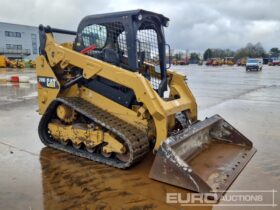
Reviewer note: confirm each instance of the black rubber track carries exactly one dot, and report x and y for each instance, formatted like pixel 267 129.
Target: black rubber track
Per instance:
pixel 135 139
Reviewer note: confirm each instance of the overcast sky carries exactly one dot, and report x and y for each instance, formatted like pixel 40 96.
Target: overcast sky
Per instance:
pixel 195 25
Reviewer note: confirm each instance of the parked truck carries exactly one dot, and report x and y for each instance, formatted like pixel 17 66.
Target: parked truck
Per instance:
pixel 254 64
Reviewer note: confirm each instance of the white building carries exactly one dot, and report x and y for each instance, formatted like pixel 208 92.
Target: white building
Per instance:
pixel 19 41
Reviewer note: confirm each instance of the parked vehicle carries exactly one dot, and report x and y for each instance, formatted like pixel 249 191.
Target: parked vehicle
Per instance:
pixel 241 62
pixel 275 62
pixel 109 107
pixel 266 61
pixel 209 62
pixel 230 61
pixel 184 61
pixel 217 62
pixel 254 64
pixel 3 61
pixel 32 63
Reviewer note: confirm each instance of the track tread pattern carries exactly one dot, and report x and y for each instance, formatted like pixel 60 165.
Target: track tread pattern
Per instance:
pixel 135 139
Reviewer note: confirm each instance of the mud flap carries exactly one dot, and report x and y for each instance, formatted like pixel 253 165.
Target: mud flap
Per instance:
pixel 206 157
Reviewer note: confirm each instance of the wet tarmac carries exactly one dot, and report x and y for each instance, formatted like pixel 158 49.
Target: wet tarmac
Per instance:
pixel 35 177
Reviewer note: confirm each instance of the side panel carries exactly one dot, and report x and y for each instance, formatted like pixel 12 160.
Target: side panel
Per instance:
pixel 179 87
pixel 48 84
pixel 114 108
pixel 158 108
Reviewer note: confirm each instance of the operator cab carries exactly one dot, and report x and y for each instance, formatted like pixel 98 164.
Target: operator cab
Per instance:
pixel 133 40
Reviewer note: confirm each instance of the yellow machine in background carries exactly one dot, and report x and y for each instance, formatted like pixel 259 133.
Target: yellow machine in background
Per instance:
pixel 242 62
pixel 16 63
pixel 32 64
pixel 20 63
pixel 3 61
pixel 217 62
pixel 13 64
pixel 229 61
pixel 110 97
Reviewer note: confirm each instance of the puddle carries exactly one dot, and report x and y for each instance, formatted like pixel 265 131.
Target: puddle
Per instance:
pixel 70 182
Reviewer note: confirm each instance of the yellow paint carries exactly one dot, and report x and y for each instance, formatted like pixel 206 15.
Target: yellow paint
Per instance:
pixel 3 63
pixel 91 137
pixel 160 111
pixel 114 108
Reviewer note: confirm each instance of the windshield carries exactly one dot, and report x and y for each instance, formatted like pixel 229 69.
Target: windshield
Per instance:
pixel 252 61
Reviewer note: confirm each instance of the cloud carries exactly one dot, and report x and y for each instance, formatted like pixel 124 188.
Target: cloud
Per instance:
pixel 195 25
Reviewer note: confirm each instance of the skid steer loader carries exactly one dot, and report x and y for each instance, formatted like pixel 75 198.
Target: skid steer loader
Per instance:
pixel 108 96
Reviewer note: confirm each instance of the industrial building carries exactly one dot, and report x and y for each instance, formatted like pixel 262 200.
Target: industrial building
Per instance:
pixel 19 41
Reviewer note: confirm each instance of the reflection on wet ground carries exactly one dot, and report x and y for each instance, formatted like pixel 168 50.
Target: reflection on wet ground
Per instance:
pixel 16 92
pixel 34 177
pixel 79 183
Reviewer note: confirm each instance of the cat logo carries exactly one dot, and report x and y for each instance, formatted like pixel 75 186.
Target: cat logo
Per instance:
pixel 48 82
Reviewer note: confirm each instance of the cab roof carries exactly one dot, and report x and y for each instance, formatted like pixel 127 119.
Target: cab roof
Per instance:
pixel 120 16
pixel 126 13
